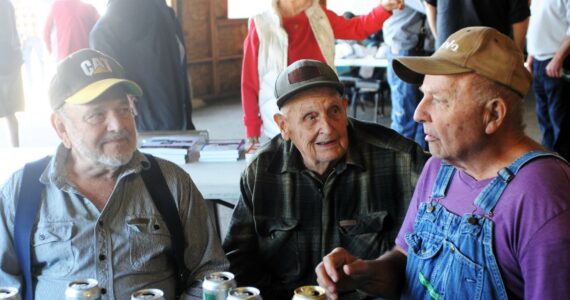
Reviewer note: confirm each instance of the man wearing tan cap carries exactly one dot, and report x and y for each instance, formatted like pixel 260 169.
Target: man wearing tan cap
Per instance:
pixel 102 209
pixel 490 216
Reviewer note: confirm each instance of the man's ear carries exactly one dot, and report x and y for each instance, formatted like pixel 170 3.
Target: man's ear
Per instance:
pixel 495 111
pixel 59 126
pixel 281 121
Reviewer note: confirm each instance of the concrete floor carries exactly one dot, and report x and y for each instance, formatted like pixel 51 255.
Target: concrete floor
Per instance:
pixel 222 119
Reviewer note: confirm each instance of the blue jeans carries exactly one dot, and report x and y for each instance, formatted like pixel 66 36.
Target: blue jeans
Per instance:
pixel 551 106
pixel 405 99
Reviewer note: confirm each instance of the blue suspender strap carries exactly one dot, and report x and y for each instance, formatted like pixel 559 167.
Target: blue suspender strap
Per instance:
pixel 164 202
pixel 29 202
pixel 493 191
pixel 26 211
pixel 442 180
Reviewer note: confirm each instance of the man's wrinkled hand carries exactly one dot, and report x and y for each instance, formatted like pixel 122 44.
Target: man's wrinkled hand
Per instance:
pixel 335 273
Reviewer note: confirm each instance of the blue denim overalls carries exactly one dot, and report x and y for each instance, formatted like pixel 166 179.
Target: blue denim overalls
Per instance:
pixel 451 256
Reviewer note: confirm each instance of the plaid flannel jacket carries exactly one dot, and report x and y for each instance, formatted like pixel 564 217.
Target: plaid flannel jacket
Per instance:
pixel 287 218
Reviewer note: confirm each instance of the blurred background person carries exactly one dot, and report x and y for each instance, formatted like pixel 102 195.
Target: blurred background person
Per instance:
pixel 11 89
pixel 145 37
pixel 548 45
pixel 507 16
pixel 291 30
pixel 67 27
pixel 406 33
pixel 33 51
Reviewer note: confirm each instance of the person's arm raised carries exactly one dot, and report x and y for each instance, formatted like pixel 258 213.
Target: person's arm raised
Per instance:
pixel 340 271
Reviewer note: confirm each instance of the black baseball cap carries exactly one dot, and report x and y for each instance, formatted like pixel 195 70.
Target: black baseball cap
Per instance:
pixel 302 75
pixel 85 75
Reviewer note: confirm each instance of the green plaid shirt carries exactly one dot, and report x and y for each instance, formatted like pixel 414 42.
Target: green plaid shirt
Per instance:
pixel 288 218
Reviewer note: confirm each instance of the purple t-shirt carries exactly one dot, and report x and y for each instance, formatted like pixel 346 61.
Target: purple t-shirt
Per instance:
pixel 532 224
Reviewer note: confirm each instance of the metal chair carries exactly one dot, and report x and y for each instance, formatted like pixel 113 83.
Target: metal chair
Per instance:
pixel 350 91
pixel 369 88
pixel 348 82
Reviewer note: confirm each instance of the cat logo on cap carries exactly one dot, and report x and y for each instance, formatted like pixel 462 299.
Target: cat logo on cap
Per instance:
pixel 96 65
pixel 450 45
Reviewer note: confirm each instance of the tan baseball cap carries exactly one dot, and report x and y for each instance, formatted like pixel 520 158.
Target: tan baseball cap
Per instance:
pixel 482 50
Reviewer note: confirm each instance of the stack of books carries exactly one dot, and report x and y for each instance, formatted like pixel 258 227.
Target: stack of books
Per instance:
pixel 179 148
pixel 222 150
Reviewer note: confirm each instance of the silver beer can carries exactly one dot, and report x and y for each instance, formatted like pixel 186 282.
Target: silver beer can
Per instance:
pixel 83 289
pixel 9 293
pixel 216 285
pixel 148 294
pixel 244 293
pixel 310 292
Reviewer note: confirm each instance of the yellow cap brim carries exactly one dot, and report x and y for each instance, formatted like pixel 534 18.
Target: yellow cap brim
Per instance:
pixel 413 69
pixel 96 89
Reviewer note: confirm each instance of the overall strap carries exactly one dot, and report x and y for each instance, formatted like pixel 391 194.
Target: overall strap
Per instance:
pixel 164 202
pixel 26 210
pixel 442 180
pixel 493 191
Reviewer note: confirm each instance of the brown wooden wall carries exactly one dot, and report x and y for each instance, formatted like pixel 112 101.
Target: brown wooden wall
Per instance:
pixel 214 47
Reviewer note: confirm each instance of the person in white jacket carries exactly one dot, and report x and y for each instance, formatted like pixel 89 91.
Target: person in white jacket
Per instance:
pixel 288 31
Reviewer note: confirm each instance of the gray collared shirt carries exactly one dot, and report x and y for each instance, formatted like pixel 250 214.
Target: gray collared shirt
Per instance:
pixel 124 246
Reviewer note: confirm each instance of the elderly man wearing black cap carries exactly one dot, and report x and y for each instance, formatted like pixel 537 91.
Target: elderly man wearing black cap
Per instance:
pixel 327 181
pixel 490 216
pixel 99 208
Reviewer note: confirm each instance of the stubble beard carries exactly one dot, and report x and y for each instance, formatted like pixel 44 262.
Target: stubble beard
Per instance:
pixel 99 157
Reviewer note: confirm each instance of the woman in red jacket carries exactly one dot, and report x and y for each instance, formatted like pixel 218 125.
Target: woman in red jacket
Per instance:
pixel 291 30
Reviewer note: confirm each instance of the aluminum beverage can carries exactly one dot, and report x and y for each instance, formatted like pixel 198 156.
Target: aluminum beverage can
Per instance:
pixel 309 292
pixel 216 285
pixel 9 293
pixel 148 294
pixel 244 293
pixel 83 289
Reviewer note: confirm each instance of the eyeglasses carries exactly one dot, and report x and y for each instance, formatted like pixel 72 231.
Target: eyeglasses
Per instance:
pixel 99 116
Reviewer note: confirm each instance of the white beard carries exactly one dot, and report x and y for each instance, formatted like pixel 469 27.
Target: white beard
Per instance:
pixel 113 161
